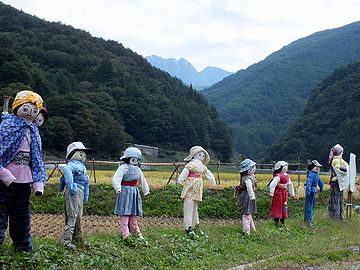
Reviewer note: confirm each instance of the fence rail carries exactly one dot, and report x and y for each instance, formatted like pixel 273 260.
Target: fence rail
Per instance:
pixel 176 166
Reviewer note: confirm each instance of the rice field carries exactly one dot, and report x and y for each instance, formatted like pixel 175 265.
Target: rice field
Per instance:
pixel 158 179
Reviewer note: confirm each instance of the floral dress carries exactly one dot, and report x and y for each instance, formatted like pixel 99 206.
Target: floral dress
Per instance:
pixel 193 184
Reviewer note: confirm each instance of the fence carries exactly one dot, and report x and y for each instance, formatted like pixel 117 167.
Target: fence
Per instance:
pixel 261 167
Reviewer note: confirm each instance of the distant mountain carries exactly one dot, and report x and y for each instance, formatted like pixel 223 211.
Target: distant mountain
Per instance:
pixel 260 103
pixel 186 72
pixel 332 115
pixel 101 93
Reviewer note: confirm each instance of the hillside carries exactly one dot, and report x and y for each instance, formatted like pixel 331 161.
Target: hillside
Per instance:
pixel 186 72
pixel 259 103
pixel 101 93
pixel 332 115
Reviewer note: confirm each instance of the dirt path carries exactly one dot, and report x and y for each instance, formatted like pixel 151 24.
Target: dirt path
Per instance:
pixel 51 226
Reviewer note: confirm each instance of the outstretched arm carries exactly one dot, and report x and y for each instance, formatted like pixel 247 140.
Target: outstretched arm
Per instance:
pixel 210 177
pixel 183 175
pixel 117 178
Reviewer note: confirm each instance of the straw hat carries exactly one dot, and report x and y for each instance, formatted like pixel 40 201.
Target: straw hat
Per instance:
pixel 196 149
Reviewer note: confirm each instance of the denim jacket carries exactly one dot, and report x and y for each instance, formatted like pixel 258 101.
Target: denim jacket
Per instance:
pixel 313 180
pixel 75 176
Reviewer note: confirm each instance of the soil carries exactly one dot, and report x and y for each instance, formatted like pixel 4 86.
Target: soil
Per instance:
pixel 52 226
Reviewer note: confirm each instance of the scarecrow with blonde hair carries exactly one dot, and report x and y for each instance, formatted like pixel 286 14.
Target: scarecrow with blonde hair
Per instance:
pixel 21 167
pixel 192 182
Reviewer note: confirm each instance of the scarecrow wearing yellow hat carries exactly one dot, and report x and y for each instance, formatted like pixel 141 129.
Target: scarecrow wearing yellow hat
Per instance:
pixel 21 167
pixel 191 179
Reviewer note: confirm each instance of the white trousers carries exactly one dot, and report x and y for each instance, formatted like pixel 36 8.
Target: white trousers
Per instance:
pixel 191 217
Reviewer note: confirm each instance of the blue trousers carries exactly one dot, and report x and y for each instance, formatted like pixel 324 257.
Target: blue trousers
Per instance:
pixel 309 206
pixel 15 209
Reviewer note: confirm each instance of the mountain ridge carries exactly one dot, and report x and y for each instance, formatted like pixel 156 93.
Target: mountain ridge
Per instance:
pixel 186 72
pixel 260 102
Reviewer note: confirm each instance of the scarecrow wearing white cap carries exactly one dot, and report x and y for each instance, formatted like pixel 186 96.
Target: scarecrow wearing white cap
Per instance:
pixel 279 187
pixel 246 191
pixel 128 202
pixel 339 180
pixel 75 184
pixel 312 182
pixel 191 179
pixel 21 166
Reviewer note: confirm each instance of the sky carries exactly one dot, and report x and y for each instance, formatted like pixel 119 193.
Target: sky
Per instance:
pixel 228 34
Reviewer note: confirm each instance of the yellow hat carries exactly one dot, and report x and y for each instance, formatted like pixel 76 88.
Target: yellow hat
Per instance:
pixel 27 96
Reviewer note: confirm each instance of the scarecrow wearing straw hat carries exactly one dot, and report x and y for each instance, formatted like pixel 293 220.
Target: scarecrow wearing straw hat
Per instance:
pixel 21 166
pixel 75 184
pixel 191 179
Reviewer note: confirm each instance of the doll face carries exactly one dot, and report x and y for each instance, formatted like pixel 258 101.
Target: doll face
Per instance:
pixel 27 111
pixel 316 169
pixel 200 156
pixel 79 155
pixel 252 170
pixel 134 161
pixel 284 169
pixel 39 120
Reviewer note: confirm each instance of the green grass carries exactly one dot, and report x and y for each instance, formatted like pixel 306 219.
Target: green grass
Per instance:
pixel 169 248
pixel 226 247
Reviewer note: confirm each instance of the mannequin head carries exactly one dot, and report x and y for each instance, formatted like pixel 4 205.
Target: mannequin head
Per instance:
pixel 199 156
pixel 132 156
pixel 42 117
pixel 247 167
pixel 198 153
pixel 77 151
pixel 79 155
pixel 27 111
pixel 281 167
pixel 27 105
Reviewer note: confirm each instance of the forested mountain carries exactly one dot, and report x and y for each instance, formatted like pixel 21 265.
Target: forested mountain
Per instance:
pixel 332 115
pixel 186 72
pixel 260 103
pixel 101 93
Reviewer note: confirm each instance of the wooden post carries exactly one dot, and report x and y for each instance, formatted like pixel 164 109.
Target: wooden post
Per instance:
pixel 56 167
pixel 6 104
pixel 299 171
pixel 93 168
pixel 217 171
pixel 175 170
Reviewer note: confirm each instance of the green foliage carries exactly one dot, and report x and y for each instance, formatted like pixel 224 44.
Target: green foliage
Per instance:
pixel 100 93
pixel 166 202
pixel 331 116
pixel 260 103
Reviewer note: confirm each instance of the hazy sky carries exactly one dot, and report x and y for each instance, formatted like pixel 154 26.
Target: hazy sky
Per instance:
pixel 230 34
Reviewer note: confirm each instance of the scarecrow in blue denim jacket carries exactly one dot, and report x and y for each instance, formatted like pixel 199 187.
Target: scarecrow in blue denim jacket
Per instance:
pixel 312 182
pixel 75 184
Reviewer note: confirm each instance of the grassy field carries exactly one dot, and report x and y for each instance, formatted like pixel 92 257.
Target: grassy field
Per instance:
pixel 226 247
pixel 327 243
